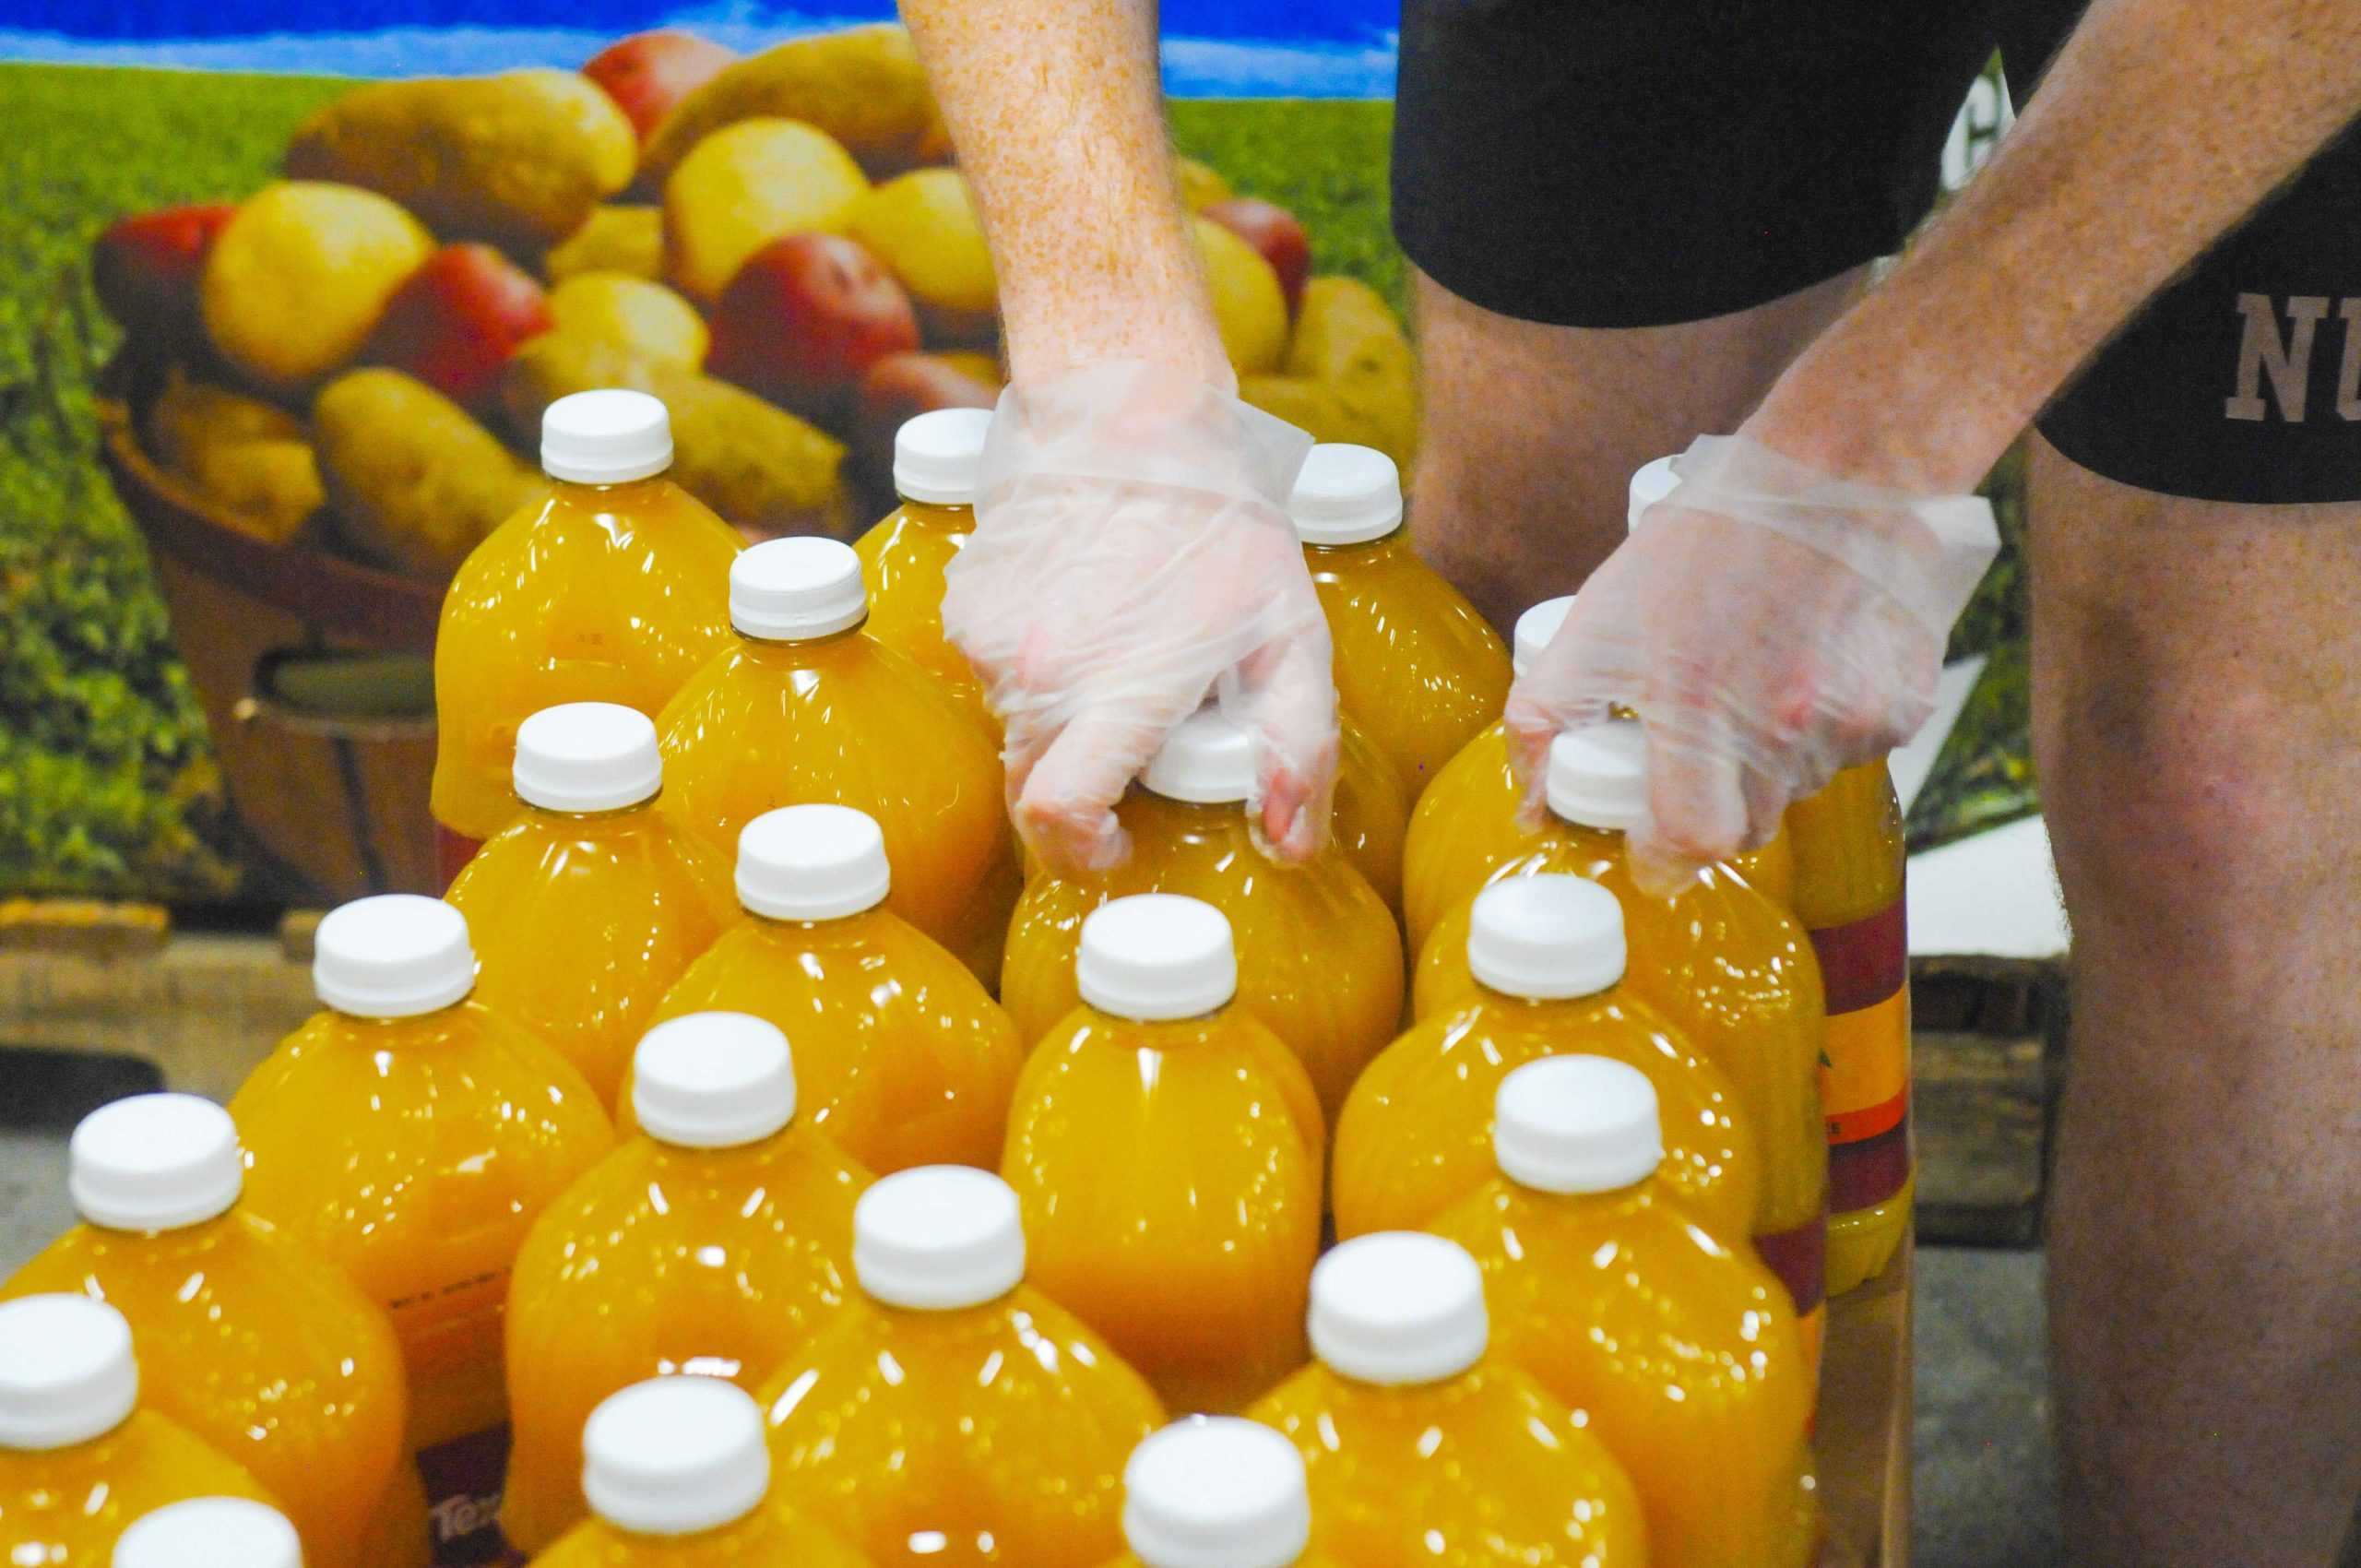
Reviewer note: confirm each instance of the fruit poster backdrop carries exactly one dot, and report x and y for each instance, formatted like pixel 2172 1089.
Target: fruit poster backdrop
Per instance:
pixel 285 285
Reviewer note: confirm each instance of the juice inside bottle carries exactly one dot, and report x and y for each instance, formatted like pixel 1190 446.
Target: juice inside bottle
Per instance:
pixel 413 1135
pixel 1850 861
pixel 1417 668
pixel 1548 954
pixel 1418 1449
pixel 951 1416
pixel 936 457
pixel 1369 815
pixel 1217 1491
pixel 678 1476
pixel 717 1242
pixel 1676 1348
pixel 80 1463
pixel 211 1532
pixel 1318 955
pixel 247 1338
pixel 805 705
pixel 901 1057
pixel 1731 968
pixel 1168 1151
pixel 612 589
pixel 591 870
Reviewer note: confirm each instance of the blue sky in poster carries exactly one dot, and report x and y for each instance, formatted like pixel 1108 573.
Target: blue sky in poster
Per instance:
pixel 1212 48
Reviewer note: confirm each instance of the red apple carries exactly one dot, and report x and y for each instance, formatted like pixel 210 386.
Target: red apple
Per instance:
pixel 1276 233
pixel 146 269
pixel 805 317
pixel 647 72
pixel 454 323
pixel 899 388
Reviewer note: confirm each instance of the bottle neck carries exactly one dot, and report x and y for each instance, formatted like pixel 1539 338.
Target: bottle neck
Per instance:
pixel 792 650
pixel 623 494
pixel 583 822
pixel 1385 543
pixel 941 516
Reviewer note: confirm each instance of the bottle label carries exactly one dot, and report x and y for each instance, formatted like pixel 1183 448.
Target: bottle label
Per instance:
pixel 464 1478
pixel 1865 1070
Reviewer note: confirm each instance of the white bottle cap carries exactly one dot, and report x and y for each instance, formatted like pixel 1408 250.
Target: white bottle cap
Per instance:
pixel 792 589
pixel 1545 938
pixel 1398 1307
pixel 938 1238
pixel 606 437
pixel 812 863
pixel 154 1162
pixel 1206 759
pixel 674 1456
pixel 1345 495
pixel 1536 627
pixel 394 956
pixel 1598 776
pixel 211 1532
pixel 1576 1124
pixel 588 756
pixel 1651 482
pixel 713 1080
pixel 1216 1491
pixel 67 1373
pixel 938 456
pixel 1156 956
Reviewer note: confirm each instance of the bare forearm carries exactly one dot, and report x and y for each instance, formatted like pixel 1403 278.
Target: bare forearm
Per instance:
pixel 2163 124
pixel 1056 110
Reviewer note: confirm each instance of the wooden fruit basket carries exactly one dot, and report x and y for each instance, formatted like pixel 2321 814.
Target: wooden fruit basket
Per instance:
pixel 340 803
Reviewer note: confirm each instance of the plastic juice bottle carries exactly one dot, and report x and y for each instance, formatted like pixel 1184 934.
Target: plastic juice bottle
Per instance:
pixel 1548 954
pixel 1318 955
pixel 1686 1362
pixel 805 705
pixel 413 1135
pixel 78 1462
pixel 614 588
pixel 1731 968
pixel 951 1416
pixel 1417 668
pixel 1167 1151
pixel 716 1242
pixel 936 459
pixel 1216 1491
pixel 1850 861
pixel 678 1476
pixel 901 1055
pixel 1419 1450
pixel 591 870
pixel 211 1532
pixel 247 1338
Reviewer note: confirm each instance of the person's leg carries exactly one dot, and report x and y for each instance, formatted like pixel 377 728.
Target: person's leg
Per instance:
pixel 2198 732
pixel 1530 432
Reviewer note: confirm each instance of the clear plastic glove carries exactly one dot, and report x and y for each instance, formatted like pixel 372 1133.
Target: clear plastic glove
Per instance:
pixel 1770 624
pixel 1133 554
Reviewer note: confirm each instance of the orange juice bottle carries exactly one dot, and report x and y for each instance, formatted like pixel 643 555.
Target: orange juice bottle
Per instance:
pixel 1417 668
pixel 412 1135
pixel 1548 957
pixel 1418 1449
pixel 936 457
pixel 248 1339
pixel 806 705
pixel 612 589
pixel 1168 1151
pixel 590 870
pixel 1477 784
pixel 79 1462
pixel 902 1057
pixel 1730 967
pixel 1319 959
pixel 1217 1491
pixel 211 1532
pixel 716 1242
pixel 678 1476
pixel 951 1416
pixel 1850 863
pixel 1684 1357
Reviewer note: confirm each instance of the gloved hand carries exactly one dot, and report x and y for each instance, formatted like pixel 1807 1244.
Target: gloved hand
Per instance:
pixel 1770 624
pixel 1133 554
